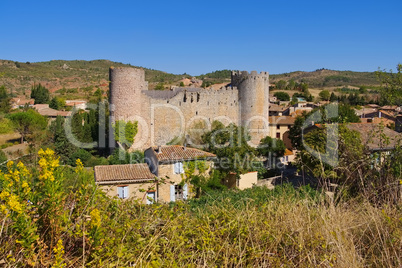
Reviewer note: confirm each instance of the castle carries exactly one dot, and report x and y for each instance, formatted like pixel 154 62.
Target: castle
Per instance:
pixel 166 115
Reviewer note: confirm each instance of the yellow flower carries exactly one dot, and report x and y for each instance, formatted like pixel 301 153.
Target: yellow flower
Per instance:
pixel 95 218
pixel 79 165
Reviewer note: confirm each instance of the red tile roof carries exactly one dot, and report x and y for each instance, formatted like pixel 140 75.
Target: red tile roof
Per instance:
pixel 281 120
pixel 372 138
pixel 123 174
pixel 179 153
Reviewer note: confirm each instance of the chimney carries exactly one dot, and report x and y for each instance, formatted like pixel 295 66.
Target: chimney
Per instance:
pixel 379 114
pixel 159 149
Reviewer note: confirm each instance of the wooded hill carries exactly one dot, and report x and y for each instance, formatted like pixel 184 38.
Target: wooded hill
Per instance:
pixel 19 77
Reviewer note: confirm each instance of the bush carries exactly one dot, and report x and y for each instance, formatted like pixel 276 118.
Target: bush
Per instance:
pixel 282 96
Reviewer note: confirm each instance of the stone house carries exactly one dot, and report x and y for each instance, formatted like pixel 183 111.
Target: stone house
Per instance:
pixel 279 127
pixel 162 178
pixel 169 163
pixel 127 181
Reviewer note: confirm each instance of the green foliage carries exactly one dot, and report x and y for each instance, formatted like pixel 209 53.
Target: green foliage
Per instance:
pixel 4 100
pixel 120 157
pixel 6 126
pixel 124 132
pixel 281 84
pixel 333 97
pixel 181 84
pixel 27 123
pixel 40 94
pixel 325 95
pixel 391 90
pixel 62 146
pixel 57 103
pixel 160 86
pixel 282 96
pixel 231 147
pixel 271 147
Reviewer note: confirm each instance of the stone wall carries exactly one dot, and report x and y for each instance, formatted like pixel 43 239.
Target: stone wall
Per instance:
pixel 165 115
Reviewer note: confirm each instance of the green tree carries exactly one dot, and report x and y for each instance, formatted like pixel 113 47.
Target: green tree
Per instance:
pixel 62 145
pixel 27 123
pixel 333 97
pixel 282 96
pixel 391 90
pixel 57 103
pixel 325 95
pixel 281 84
pixel 124 132
pixel 271 146
pixel 40 94
pixel 160 86
pixel 291 85
pixel 4 100
pixel 231 147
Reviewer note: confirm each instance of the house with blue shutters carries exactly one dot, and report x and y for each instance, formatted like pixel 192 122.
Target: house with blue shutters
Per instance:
pixel 162 178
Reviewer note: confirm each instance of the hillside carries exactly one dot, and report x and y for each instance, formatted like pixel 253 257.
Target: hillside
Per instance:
pixel 18 77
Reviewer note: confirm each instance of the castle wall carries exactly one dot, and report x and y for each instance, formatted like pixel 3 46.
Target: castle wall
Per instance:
pixel 165 115
pixel 173 117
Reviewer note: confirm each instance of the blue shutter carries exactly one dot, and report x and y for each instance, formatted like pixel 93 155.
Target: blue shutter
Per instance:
pixel 176 168
pixel 126 192
pixel 181 169
pixel 185 191
pixel 172 193
pixel 120 192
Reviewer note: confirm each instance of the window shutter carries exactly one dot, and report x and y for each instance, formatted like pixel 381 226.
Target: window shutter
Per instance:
pixel 185 191
pixel 172 193
pixel 176 168
pixel 181 169
pixel 120 192
pixel 126 192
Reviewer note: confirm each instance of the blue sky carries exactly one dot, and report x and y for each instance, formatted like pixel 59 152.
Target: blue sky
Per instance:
pixel 201 36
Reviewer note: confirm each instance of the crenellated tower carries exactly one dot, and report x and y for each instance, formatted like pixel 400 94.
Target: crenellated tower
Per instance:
pixel 253 98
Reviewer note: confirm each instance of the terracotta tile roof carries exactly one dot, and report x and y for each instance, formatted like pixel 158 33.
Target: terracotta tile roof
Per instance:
pixel 288 152
pixel 123 174
pixel 179 153
pixel 281 120
pixel 370 135
pixel 276 108
pixel 45 110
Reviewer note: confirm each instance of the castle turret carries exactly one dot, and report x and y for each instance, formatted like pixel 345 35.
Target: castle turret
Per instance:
pixel 254 97
pixel 126 85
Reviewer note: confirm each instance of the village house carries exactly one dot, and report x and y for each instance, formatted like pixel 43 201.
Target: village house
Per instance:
pixel 169 163
pixel 45 110
pixel 127 181
pixel 162 178
pixel 279 127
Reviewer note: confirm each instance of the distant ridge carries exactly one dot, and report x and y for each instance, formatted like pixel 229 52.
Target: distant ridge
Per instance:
pixel 18 77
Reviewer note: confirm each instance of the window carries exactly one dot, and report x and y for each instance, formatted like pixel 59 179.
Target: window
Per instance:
pixel 278 135
pixel 178 168
pixel 289 127
pixel 278 127
pixel 122 191
pixel 178 192
pixel 151 197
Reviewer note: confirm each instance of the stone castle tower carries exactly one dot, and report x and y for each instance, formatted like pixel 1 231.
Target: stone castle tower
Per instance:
pixel 164 116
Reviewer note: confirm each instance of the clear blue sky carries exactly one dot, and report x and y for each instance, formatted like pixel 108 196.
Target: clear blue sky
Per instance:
pixel 202 36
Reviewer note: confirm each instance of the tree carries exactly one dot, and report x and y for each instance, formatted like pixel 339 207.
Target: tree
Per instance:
pixel 291 84
pixel 4 100
pixel 270 146
pixel 391 90
pixel 281 84
pixel 57 103
pixel 26 123
pixel 231 147
pixel 62 145
pixel 124 132
pixel 333 97
pixel 324 95
pixel 282 96
pixel 160 86
pixel 40 94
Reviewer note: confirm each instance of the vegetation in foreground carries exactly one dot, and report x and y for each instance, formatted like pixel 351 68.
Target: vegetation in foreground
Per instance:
pixel 55 216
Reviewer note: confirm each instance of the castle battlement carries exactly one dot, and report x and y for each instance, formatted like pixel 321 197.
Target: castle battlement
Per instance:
pixel 164 114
